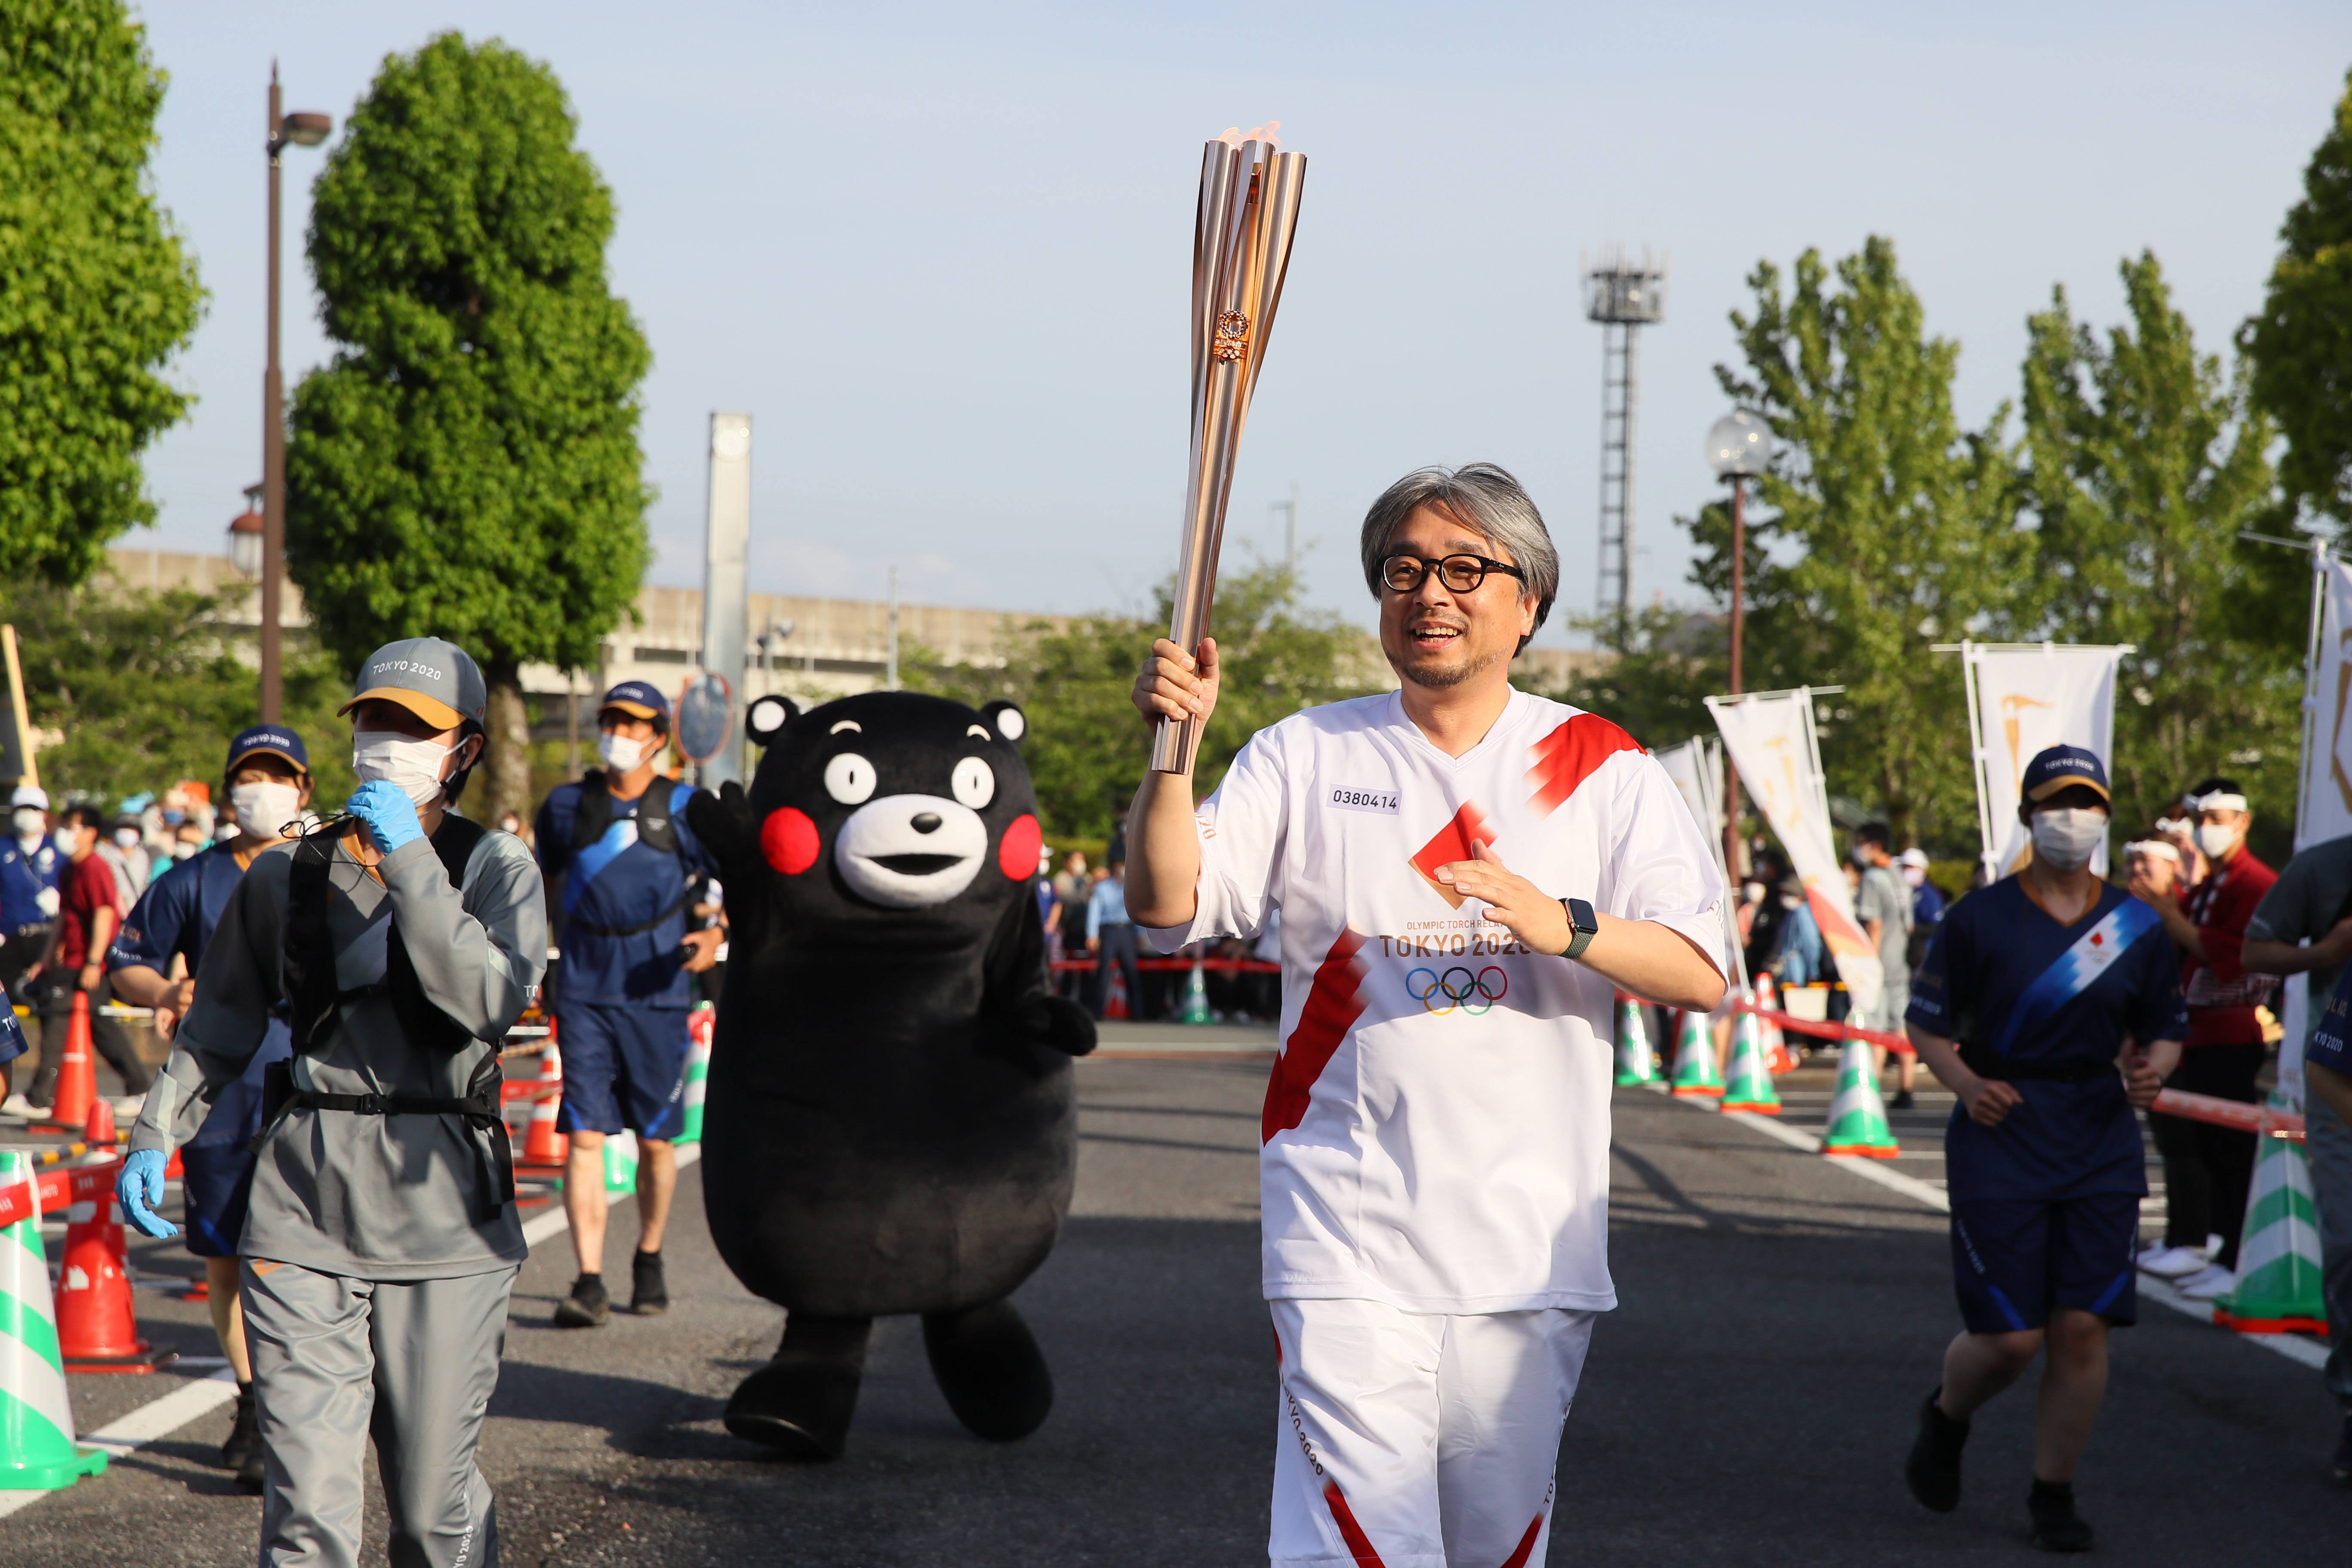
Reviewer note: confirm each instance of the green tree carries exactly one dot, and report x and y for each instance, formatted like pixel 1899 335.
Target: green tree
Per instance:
pixel 1883 528
pixel 1663 663
pixel 95 292
pixel 467 466
pixel 2302 342
pixel 141 692
pixel 2141 461
pixel 1087 751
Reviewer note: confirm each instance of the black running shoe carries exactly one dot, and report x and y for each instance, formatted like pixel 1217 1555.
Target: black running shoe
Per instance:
pixel 648 1294
pixel 1934 1467
pixel 1903 1101
pixel 2057 1526
pixel 587 1307
pixel 244 1432
pixel 2343 1463
pixel 249 1474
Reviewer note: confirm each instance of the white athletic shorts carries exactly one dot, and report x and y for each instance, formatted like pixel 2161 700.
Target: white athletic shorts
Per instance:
pixel 1419 1440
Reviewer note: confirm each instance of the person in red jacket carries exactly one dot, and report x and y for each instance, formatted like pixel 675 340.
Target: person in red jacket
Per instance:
pixel 2207 1168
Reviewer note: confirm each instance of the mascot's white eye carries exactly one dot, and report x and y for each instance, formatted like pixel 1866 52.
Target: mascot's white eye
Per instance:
pixel 849 778
pixel 973 784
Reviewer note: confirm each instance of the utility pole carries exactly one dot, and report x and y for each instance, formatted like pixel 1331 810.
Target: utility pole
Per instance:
pixel 298 130
pixel 890 666
pixel 1289 509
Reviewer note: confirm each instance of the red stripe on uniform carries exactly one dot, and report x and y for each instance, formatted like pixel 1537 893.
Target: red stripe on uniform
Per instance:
pixel 1567 756
pixel 1333 1005
pixel 1359 1545
pixel 1527 1544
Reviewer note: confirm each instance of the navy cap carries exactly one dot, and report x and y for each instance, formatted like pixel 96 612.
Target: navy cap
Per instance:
pixel 2062 767
pixel 638 699
pixel 275 738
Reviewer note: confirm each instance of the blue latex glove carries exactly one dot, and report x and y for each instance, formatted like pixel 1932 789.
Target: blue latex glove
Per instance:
pixel 140 1188
pixel 390 815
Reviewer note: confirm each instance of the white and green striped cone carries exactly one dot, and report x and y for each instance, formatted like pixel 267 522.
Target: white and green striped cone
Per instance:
pixel 698 1079
pixel 1194 1008
pixel 2278 1288
pixel 1695 1073
pixel 38 1452
pixel 621 1162
pixel 1637 1060
pixel 1750 1084
pixel 1857 1115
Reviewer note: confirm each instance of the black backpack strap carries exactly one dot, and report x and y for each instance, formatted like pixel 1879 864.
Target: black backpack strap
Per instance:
pixel 596 810
pixel 656 830
pixel 309 956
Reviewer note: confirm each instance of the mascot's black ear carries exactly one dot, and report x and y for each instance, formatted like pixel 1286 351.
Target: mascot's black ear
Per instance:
pixel 768 716
pixel 1007 720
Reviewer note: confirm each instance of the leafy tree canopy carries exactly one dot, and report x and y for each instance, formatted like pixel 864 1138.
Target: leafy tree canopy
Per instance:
pixel 467 466
pixel 144 692
pixel 2301 343
pixel 95 292
pixel 1087 749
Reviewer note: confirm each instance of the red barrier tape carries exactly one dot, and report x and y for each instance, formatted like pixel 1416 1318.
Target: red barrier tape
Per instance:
pixel 58 1189
pixel 1164 966
pixel 1830 1031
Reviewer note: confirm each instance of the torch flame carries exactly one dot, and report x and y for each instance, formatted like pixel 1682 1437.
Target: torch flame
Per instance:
pixel 1235 135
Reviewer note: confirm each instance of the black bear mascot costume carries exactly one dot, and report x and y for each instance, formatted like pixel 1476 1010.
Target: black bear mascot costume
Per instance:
pixel 889 1125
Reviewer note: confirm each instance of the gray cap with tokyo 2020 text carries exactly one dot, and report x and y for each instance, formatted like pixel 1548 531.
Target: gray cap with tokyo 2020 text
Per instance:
pixel 431 677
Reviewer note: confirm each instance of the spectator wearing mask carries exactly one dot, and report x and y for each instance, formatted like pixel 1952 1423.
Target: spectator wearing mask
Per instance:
pixel 1071 886
pixel 2179 830
pixel 29 865
pixel 1883 905
pixel 1769 922
pixel 87 919
pixel 1111 939
pixel 2207 1168
pixel 266 781
pixel 119 849
pixel 1927 899
pixel 512 822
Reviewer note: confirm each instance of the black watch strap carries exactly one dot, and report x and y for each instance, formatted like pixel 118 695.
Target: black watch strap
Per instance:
pixel 1583 926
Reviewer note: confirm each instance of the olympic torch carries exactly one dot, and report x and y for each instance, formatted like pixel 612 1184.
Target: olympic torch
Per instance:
pixel 1241 247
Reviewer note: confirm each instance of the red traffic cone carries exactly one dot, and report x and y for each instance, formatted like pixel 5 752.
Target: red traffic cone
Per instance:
pixel 76 1084
pixel 98 1130
pixel 96 1330
pixel 542 1144
pixel 1115 1006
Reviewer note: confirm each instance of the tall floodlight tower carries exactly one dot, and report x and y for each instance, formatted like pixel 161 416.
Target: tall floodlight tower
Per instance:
pixel 1624 296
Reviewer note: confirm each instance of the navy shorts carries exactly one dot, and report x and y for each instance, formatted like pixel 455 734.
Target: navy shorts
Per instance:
pixel 216 1165
pixel 2013 1260
pixel 623 1066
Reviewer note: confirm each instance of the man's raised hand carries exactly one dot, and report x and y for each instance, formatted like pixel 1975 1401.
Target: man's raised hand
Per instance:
pixel 1172 685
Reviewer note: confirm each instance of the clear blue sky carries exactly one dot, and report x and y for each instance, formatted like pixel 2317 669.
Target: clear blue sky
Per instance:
pixel 941 253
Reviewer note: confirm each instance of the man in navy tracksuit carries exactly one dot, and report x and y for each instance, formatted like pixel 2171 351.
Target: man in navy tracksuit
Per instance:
pixel 619 842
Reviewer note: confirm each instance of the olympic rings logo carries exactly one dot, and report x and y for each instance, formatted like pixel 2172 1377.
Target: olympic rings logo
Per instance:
pixel 1440 993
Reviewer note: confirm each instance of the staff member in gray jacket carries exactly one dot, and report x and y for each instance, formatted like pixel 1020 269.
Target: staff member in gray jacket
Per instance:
pixel 381 1239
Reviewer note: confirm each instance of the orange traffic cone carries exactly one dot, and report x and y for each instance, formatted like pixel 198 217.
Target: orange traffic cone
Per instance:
pixel 1777 1059
pixel 98 1130
pixel 76 1084
pixel 542 1144
pixel 1116 1004
pixel 96 1330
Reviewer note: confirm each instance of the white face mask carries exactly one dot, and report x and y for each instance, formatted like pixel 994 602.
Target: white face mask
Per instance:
pixel 263 808
pixel 126 837
pixel 28 824
pixel 2065 837
pixel 413 767
pixel 622 752
pixel 2217 839
pixel 1915 875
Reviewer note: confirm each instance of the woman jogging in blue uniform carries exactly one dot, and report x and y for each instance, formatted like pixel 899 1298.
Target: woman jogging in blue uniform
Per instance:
pixel 2050 1003
pixel 267 781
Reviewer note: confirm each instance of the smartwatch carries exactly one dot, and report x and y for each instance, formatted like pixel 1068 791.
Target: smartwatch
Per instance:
pixel 1584 925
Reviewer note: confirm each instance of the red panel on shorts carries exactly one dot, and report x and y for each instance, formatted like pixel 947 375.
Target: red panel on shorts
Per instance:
pixel 1566 757
pixel 1333 1005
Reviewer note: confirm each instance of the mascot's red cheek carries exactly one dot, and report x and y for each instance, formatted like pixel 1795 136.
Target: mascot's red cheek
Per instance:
pixel 788 840
pixel 1017 857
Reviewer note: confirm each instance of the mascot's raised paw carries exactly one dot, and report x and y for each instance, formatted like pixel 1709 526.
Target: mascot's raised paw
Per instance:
pixel 889 1125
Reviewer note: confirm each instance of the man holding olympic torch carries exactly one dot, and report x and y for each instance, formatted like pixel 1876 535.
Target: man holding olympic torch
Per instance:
pixel 1466 875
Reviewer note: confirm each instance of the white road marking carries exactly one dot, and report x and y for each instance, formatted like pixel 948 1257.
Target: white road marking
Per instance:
pixel 162 1418
pixel 2294 1347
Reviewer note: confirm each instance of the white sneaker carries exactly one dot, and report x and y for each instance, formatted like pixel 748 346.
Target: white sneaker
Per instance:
pixel 2175 1262
pixel 2151 1253
pixel 127 1110
pixel 2208 1282
pixel 17 1105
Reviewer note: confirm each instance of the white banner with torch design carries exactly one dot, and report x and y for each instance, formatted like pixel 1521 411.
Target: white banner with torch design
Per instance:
pixel 2324 793
pixel 2023 699
pixel 1772 743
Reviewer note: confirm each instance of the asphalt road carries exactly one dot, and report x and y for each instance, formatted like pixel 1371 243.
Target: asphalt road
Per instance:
pixel 1749 1402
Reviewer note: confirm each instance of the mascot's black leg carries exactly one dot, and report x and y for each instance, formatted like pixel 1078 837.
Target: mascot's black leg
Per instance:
pixel 990 1369
pixel 801 1403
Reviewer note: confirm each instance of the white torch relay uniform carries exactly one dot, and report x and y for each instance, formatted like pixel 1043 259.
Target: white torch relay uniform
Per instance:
pixel 1434 1176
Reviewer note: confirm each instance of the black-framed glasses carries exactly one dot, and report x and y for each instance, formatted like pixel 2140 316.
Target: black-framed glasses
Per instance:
pixel 1460 573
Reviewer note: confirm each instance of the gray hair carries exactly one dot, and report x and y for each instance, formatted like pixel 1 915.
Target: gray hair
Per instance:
pixel 1482 497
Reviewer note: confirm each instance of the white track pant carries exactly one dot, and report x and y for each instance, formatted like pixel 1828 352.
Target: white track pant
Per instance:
pixel 1411 1440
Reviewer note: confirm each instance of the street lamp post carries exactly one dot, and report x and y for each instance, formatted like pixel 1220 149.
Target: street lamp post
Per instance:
pixel 1739 448
pixel 299 130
